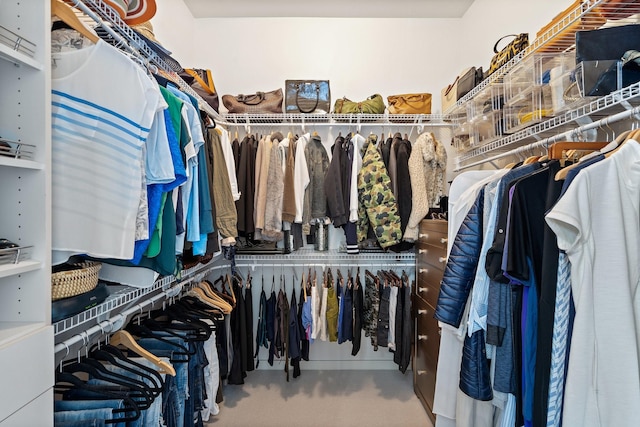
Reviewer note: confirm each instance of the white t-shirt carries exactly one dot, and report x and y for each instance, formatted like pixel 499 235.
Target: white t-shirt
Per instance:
pixel 103 105
pixel 597 222
pixel 159 164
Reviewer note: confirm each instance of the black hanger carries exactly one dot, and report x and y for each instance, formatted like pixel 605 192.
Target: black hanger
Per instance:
pixel 116 357
pixel 142 330
pixel 66 383
pixel 135 391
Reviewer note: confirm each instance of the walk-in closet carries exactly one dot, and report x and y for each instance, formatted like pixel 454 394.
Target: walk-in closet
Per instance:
pixel 381 213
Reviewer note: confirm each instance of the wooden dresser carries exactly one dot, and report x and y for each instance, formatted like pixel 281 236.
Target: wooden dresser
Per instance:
pixel 431 252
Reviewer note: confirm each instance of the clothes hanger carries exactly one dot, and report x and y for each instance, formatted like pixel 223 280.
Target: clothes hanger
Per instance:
pixel 125 339
pixel 152 375
pixel 144 331
pixel 139 393
pixel 68 16
pixel 139 388
pixel 556 150
pixel 67 382
pixel 620 139
pixel 633 135
pixel 116 357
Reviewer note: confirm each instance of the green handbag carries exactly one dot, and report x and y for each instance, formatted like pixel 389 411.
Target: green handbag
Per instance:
pixel 372 105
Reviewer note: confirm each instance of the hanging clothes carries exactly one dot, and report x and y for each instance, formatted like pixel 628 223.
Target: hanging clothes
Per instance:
pixel 332 309
pixel 358 315
pixel 294 338
pixel 272 230
pixel 315 200
pixel 304 319
pixel 116 226
pixel 262 339
pixel 263 157
pixel 427 168
pixel 371 308
pixel 226 215
pixel 289 200
pixel 600 378
pixel 334 183
pixel 246 186
pixel 401 152
pixel 377 204
pixel 282 337
pixel 248 304
pixel 238 371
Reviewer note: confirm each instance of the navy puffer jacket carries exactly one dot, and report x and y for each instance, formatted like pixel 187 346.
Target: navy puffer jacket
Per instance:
pixel 461 266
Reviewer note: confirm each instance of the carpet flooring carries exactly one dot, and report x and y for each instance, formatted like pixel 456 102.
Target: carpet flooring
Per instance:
pixel 322 398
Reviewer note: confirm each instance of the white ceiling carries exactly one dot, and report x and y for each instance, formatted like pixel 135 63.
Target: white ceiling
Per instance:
pixel 329 8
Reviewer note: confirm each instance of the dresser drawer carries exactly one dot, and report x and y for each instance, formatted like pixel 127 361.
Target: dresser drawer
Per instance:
pixel 433 255
pixel 428 284
pixel 433 232
pixel 427 329
pixel 425 378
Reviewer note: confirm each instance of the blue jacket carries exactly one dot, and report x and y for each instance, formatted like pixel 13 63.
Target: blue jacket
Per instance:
pixel 461 266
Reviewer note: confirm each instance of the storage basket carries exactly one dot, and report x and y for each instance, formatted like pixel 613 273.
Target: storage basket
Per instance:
pixel 70 283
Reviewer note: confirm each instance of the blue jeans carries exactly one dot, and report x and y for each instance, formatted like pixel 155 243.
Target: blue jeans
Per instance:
pixel 150 417
pixel 80 408
pixel 176 388
pixel 84 417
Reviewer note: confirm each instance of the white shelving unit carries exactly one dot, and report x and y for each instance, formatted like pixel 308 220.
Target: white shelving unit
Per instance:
pixel 26 335
pixel 591 114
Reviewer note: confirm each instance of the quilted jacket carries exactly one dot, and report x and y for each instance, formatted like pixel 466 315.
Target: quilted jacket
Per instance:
pixel 461 266
pixel 475 380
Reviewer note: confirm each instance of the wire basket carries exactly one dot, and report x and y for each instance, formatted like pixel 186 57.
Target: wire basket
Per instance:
pixel 70 283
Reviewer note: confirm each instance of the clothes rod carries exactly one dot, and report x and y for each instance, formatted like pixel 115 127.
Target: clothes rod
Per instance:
pixel 107 326
pixel 559 137
pixel 302 264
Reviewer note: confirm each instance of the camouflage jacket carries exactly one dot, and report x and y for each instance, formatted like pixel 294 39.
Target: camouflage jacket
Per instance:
pixel 377 205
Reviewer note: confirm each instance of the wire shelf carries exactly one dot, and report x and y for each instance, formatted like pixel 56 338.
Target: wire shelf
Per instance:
pixel 337 119
pixel 621 99
pixel 557 38
pixel 310 256
pixel 122 297
pixel 111 22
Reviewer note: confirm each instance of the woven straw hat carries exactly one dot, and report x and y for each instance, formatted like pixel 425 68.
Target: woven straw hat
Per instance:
pixel 133 12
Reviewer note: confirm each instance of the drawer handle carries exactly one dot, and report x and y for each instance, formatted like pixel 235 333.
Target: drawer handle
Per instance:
pixel 444 240
pixel 421 290
pixel 422 312
pixel 423 270
pixel 422 337
pixel 442 259
pixel 422 251
pixel 421 372
pixel 425 235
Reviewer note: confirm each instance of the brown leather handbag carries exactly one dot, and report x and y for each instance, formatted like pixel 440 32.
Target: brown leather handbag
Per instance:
pixel 410 103
pixel 258 103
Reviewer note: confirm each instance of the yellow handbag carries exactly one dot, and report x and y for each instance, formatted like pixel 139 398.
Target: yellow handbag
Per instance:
pixel 410 103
